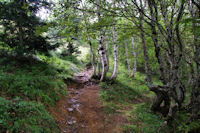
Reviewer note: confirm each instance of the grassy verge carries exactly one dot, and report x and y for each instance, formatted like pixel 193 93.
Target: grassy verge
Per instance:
pixel 27 87
pixel 132 98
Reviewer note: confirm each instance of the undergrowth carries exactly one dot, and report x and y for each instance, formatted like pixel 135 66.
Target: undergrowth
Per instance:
pixel 22 116
pixel 131 97
pixel 125 89
pixel 144 121
pixel 28 86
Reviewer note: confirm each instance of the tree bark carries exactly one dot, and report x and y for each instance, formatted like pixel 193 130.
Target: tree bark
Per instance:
pixel 195 71
pixel 99 66
pixel 103 56
pixel 92 57
pixel 145 52
pixel 70 49
pixel 135 57
pixel 20 37
pixel 116 65
pixel 127 58
pixel 107 55
pixel 102 51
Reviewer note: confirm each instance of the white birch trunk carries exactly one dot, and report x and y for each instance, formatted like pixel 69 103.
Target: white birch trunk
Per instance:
pixel 116 66
pixel 103 56
pixel 102 50
pixel 99 65
pixel 134 45
pixel 127 58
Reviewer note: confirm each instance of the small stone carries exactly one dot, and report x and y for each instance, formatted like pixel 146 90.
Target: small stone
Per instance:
pixel 70 109
pixel 69 122
pixel 77 92
pixel 74 121
pixel 74 100
pixel 76 105
pixel 82 125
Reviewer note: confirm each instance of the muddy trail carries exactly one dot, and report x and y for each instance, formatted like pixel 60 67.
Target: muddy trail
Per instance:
pixel 82 112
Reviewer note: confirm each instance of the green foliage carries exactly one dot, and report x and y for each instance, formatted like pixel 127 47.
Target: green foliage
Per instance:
pixel 29 85
pixel 22 116
pixel 182 123
pixel 39 82
pixel 20 26
pixel 65 68
pixel 125 93
pixel 73 59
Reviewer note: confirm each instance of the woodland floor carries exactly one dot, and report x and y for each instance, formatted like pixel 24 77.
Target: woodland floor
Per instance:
pixel 82 111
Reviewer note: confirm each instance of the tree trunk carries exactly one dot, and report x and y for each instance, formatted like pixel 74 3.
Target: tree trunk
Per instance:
pixel 116 66
pixel 135 57
pixel 145 52
pixel 20 31
pixel 20 37
pixel 107 55
pixel 103 56
pixel 195 94
pixel 99 66
pixel 127 58
pixel 92 57
pixel 102 51
pixel 160 95
pixel 70 49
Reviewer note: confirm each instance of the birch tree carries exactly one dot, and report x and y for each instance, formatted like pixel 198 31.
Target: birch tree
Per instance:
pixel 134 45
pixel 116 60
pixel 101 50
pixel 127 58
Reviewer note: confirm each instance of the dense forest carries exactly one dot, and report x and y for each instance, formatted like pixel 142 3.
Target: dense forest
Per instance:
pixel 99 66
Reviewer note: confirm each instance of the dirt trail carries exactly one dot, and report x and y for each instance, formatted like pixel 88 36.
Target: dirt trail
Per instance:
pixel 82 112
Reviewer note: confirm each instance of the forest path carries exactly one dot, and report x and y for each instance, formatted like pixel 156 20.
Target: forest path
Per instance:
pixel 82 111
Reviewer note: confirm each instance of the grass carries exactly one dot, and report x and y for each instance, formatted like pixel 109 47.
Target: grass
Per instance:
pixel 22 116
pixel 144 121
pixel 132 98
pixel 125 89
pixel 28 87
